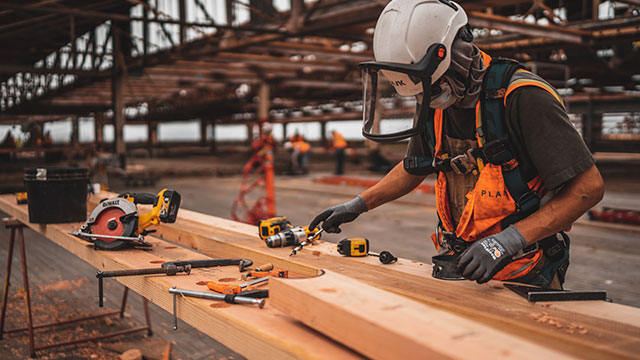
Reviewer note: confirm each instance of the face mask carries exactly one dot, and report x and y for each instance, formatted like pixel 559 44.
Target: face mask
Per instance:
pixel 445 98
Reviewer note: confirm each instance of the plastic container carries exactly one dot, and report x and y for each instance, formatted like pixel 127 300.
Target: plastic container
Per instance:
pixel 57 194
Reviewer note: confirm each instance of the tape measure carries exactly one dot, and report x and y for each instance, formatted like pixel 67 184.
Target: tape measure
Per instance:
pixel 354 247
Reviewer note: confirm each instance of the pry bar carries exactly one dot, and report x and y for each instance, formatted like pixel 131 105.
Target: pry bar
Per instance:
pixel 169 271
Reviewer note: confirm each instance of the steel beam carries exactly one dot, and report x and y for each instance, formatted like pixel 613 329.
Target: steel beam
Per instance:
pixel 564 34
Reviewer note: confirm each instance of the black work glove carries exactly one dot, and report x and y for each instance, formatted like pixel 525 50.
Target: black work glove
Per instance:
pixel 337 215
pixel 482 260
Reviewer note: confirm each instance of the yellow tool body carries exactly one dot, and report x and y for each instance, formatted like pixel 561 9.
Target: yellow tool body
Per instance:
pixel 21 198
pixel 165 205
pixel 354 247
pixel 273 226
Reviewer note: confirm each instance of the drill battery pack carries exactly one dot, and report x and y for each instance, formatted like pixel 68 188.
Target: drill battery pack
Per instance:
pixel 273 226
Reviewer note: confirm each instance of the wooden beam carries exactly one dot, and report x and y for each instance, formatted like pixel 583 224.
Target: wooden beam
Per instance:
pixel 612 330
pixel 383 325
pixel 252 332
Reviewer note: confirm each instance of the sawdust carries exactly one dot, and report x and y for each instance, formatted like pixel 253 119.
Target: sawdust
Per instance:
pixel 220 305
pixel 157 262
pixel 316 253
pixel 545 318
pixel 201 283
pixel 227 279
pixel 63 285
pixel 170 247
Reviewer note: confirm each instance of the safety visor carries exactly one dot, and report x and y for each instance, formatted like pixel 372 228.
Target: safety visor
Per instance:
pixel 391 110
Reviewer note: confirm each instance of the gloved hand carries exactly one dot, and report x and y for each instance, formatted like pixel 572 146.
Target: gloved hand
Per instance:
pixel 337 215
pixel 482 260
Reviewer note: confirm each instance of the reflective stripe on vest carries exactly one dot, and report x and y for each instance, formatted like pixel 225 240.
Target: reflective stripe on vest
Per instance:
pixel 489 203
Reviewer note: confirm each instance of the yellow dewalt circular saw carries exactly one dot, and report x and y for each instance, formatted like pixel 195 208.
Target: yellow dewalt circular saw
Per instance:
pixel 115 223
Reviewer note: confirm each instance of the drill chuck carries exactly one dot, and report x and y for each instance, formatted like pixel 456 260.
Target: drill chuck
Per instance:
pixel 289 237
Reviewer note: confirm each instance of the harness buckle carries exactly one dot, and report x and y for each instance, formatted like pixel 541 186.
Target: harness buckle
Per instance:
pixel 464 163
pixel 496 152
pixel 527 202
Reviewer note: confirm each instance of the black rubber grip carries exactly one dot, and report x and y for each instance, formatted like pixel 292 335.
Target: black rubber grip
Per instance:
pixel 141 198
pixel 209 263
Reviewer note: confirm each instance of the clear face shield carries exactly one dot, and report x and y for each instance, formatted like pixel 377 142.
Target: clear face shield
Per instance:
pixel 393 108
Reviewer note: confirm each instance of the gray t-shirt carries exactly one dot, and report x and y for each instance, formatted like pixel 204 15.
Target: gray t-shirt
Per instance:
pixel 541 135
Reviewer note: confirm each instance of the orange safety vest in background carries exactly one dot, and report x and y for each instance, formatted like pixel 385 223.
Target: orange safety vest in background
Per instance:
pixel 489 202
pixel 338 141
pixel 302 146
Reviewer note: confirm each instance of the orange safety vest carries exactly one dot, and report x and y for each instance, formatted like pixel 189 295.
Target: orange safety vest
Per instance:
pixel 338 141
pixel 302 146
pixel 489 202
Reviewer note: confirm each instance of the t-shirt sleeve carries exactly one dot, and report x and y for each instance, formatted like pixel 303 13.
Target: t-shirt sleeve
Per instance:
pixel 549 143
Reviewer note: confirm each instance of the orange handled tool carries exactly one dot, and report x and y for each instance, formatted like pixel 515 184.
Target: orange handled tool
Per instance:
pixel 260 274
pixel 233 289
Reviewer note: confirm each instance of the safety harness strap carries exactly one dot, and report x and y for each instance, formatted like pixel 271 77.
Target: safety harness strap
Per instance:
pixel 492 105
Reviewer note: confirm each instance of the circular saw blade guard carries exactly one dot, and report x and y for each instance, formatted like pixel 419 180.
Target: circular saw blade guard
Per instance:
pixel 117 217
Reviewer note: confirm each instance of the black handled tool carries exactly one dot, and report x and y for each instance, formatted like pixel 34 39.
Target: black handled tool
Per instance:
pixel 197 264
pixel 169 271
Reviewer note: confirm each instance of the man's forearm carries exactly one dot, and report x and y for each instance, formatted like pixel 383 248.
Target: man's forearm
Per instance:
pixel 579 195
pixel 394 185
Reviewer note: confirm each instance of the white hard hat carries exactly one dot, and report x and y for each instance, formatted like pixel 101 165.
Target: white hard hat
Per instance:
pixel 407 28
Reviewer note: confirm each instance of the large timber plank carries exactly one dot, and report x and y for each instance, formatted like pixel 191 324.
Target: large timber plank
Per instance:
pixel 383 325
pixel 252 332
pixel 592 330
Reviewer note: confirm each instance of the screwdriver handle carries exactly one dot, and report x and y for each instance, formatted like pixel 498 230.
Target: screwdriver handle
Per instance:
pixel 264 268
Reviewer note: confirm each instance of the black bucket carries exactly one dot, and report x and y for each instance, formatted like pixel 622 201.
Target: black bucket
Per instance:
pixel 57 194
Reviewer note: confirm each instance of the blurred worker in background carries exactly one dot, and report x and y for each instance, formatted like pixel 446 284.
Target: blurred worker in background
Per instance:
pixel 339 146
pixel 512 171
pixel 302 149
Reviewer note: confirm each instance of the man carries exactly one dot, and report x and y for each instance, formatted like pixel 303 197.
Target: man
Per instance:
pixel 512 172
pixel 302 150
pixel 339 146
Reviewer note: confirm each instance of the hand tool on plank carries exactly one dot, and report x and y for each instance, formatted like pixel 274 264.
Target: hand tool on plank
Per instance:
pixel 260 274
pixel 264 267
pixel 535 294
pixel 21 198
pixel 357 247
pixel 172 268
pixel 115 223
pixel 310 239
pixel 208 263
pixel 234 289
pixel 445 267
pixel 250 298
pixel 169 271
pixel 273 226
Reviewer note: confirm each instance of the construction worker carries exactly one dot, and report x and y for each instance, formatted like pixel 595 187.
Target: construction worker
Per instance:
pixel 511 171
pixel 339 146
pixel 302 150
